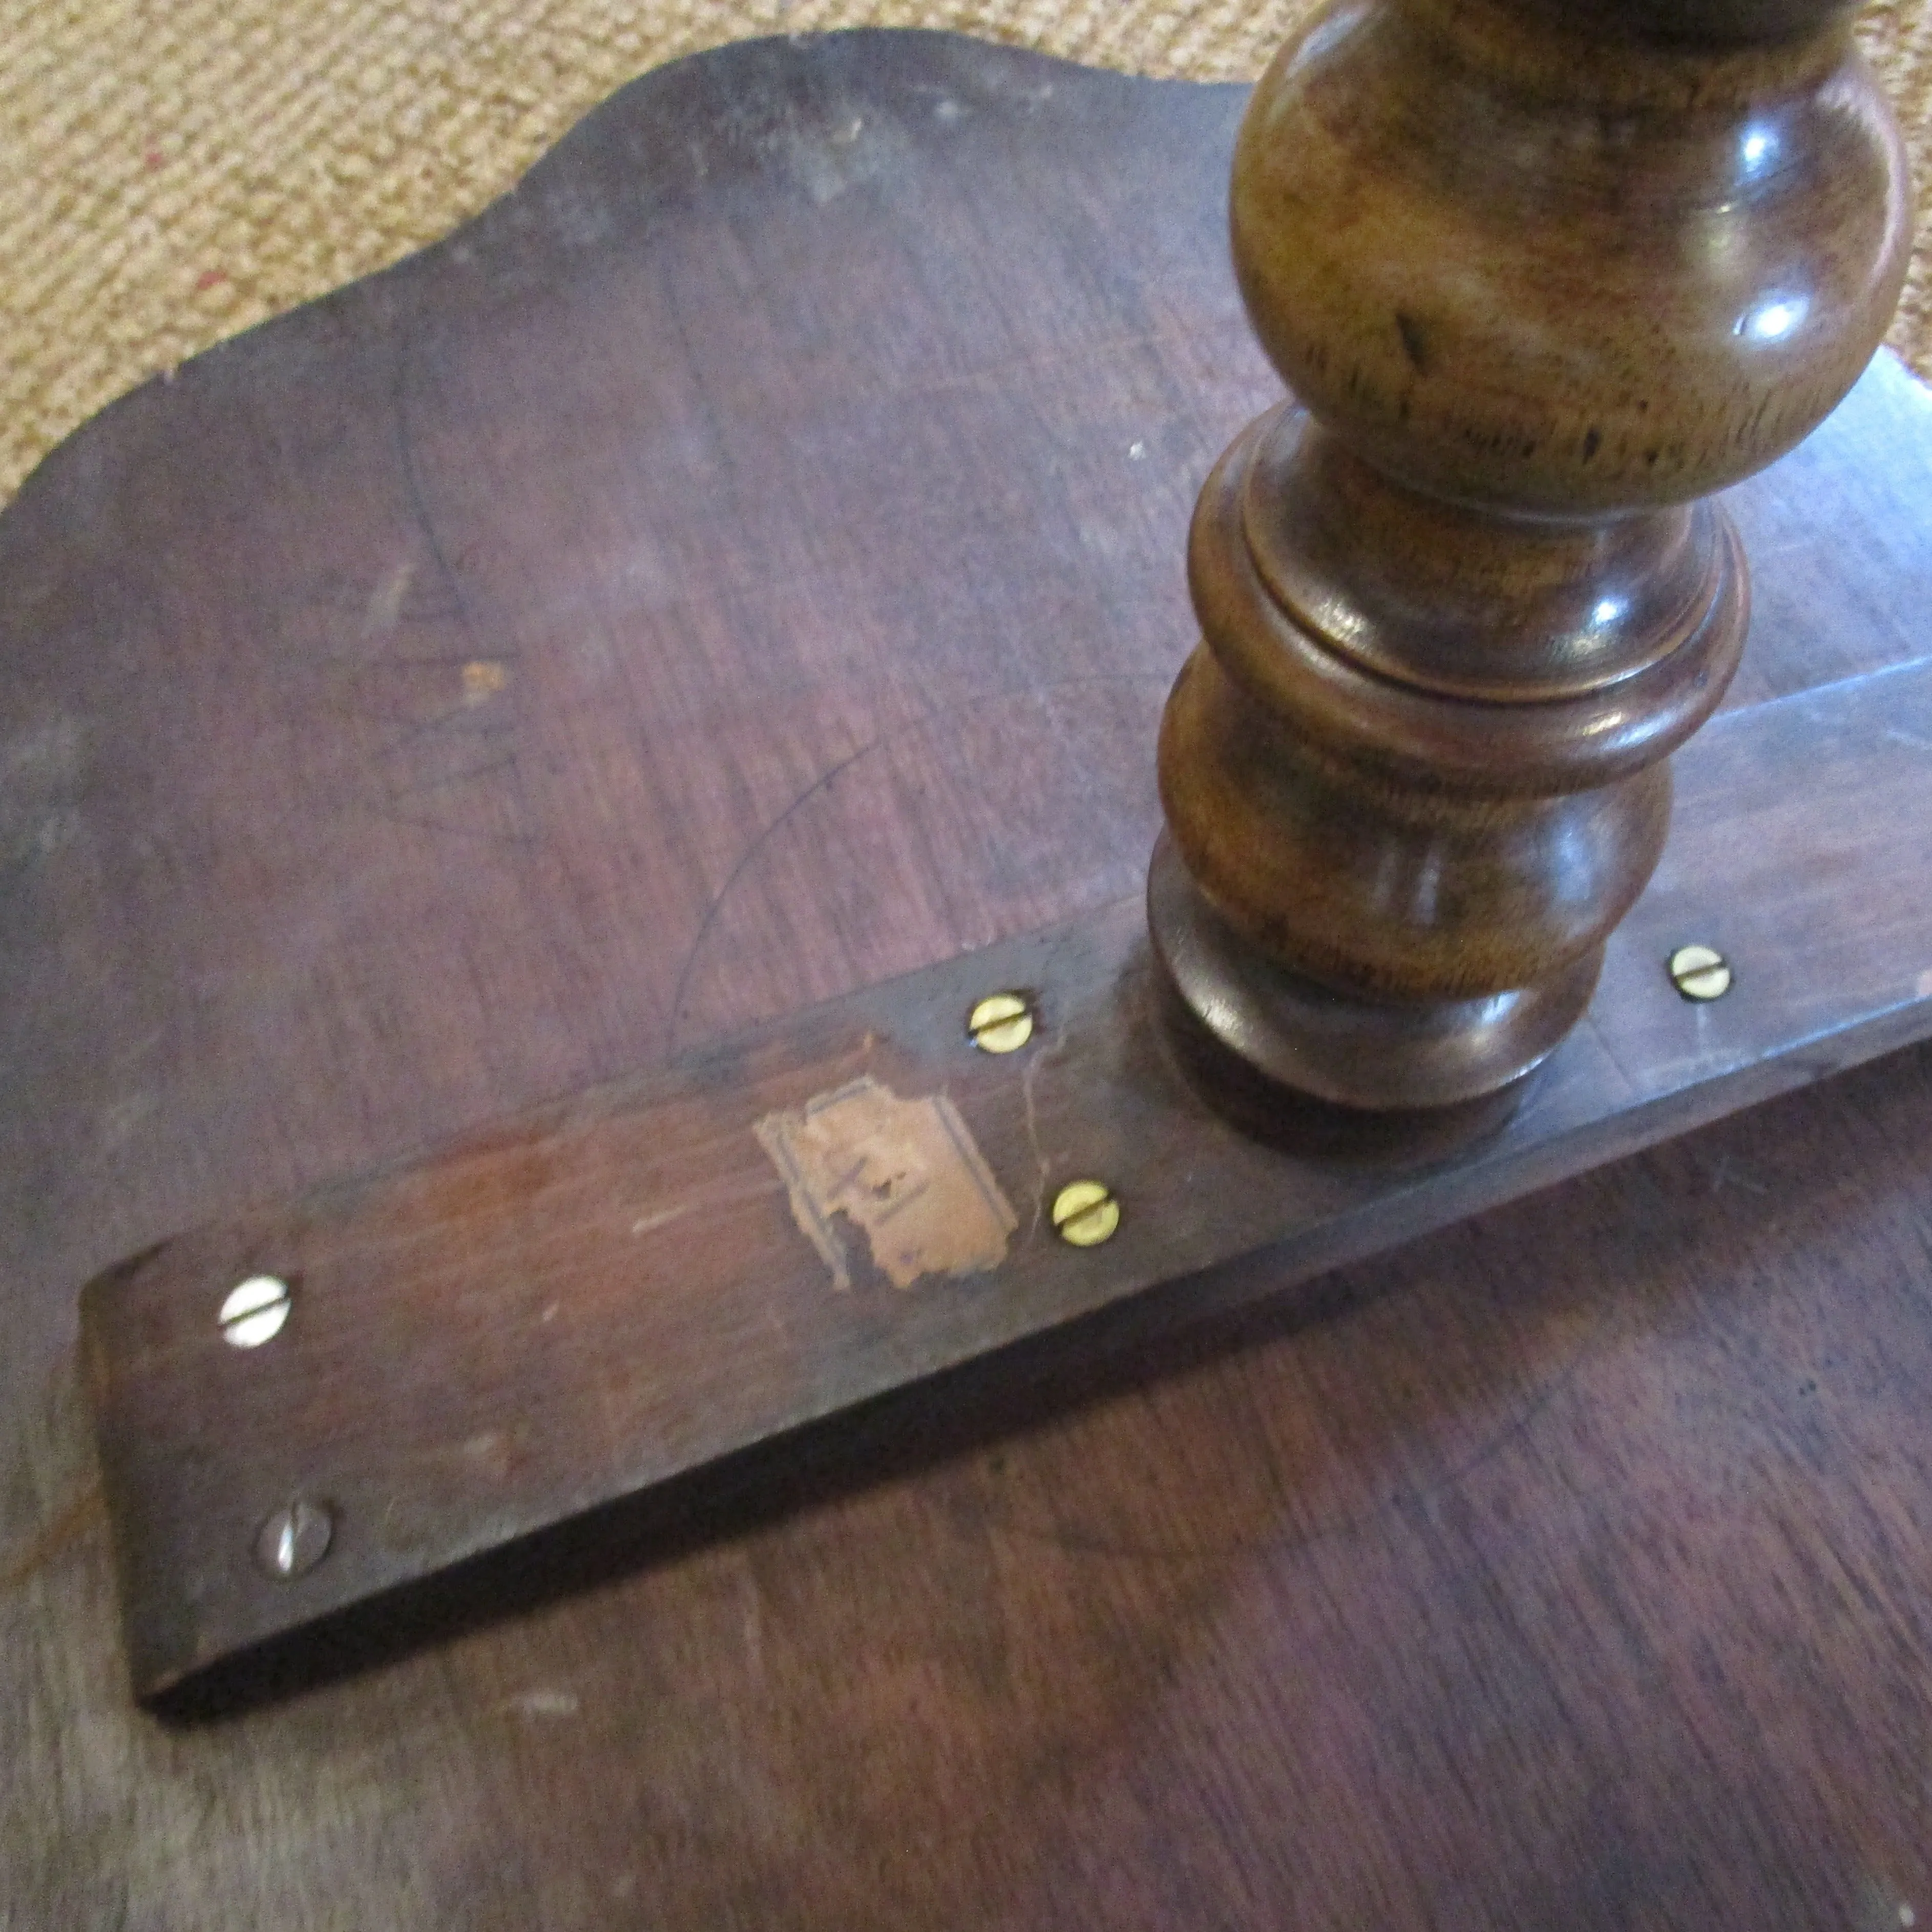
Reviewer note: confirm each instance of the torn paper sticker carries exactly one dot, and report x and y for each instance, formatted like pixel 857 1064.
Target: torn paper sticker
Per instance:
pixel 905 1173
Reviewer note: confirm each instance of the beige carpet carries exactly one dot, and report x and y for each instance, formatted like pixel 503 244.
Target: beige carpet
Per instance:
pixel 176 169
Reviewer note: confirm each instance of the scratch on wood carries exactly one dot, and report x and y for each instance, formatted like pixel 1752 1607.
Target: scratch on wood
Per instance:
pixel 545 1704
pixel 906 1173
pixel 1042 1166
pixel 705 1200
pixel 483 678
pixel 386 601
pixel 66 1528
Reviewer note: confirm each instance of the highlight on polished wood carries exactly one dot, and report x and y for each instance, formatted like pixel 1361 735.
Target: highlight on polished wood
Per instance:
pixel 1540 281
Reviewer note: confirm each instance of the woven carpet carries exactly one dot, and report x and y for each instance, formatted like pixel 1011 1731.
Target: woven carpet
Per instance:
pixel 177 169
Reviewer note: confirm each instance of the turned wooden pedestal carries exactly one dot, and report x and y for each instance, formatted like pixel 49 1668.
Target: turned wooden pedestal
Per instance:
pixel 1539 280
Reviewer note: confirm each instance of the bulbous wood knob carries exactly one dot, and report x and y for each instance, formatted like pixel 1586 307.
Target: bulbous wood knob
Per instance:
pixel 1537 289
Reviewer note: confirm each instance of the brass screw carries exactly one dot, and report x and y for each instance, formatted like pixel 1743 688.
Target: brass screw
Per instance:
pixel 1085 1214
pixel 1699 973
pixel 1003 1024
pixel 254 1311
pixel 294 1541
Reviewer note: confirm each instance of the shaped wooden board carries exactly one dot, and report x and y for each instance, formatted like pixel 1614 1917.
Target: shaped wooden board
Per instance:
pixel 742 568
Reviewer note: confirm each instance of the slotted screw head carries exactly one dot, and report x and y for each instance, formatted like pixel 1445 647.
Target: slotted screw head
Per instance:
pixel 294 1540
pixel 254 1311
pixel 1085 1214
pixel 1700 972
pixel 1002 1023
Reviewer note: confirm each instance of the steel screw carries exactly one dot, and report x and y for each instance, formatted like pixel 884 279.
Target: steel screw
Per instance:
pixel 1003 1024
pixel 254 1312
pixel 295 1540
pixel 1700 972
pixel 1085 1214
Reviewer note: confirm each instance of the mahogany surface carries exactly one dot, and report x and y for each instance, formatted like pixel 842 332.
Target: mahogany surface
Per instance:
pixel 363 785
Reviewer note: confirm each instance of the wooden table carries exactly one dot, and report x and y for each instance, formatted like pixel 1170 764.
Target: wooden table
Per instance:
pixel 361 783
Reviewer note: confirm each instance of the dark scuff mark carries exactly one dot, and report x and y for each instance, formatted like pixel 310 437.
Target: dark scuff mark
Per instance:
pixel 1414 342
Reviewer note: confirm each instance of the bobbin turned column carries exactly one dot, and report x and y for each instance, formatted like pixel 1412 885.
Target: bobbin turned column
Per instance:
pixel 1540 277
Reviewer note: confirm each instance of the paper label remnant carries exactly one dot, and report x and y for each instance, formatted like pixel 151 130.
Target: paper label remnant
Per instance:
pixel 905 1173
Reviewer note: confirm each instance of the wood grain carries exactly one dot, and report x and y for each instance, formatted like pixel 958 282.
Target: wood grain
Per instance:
pixel 1565 1568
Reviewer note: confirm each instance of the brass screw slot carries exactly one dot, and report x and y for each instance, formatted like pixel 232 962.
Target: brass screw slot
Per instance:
pixel 254 1311
pixel 294 1541
pixel 1699 973
pixel 1003 1024
pixel 1085 1214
